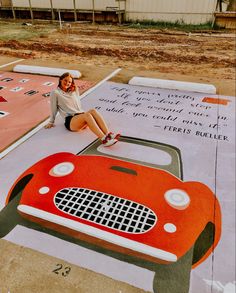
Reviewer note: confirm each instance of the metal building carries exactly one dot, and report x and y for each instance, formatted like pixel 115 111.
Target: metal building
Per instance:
pixel 186 11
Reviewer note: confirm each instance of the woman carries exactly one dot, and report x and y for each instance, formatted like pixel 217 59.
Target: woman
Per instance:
pixel 65 99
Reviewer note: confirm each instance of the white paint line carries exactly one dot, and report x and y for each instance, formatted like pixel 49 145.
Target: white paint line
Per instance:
pixel 40 126
pixel 101 82
pixel 22 139
pixel 13 62
pixel 173 85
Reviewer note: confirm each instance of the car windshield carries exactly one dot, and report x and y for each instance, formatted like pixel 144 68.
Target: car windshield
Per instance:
pixel 141 153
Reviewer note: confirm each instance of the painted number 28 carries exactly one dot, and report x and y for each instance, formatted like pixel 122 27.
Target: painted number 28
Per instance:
pixel 62 270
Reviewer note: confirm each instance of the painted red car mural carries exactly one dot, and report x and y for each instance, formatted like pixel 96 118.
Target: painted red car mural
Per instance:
pixel 123 203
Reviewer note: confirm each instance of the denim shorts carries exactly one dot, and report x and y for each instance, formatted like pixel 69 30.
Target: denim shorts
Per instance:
pixel 68 120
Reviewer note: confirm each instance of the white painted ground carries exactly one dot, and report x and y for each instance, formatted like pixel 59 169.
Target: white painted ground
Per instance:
pixel 205 134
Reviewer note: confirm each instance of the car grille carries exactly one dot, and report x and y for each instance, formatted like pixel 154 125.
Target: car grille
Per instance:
pixel 105 209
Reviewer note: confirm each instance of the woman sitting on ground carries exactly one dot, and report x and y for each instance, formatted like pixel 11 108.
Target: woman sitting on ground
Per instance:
pixel 66 100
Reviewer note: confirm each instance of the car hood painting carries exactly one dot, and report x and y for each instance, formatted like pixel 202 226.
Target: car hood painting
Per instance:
pixel 132 207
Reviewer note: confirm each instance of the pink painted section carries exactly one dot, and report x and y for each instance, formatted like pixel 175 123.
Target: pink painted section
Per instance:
pixel 24 103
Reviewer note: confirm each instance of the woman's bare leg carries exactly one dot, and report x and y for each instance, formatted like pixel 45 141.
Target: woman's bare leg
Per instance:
pixel 79 121
pixel 100 121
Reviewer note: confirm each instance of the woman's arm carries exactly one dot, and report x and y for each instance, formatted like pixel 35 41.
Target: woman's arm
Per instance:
pixel 53 106
pixel 78 99
pixel 77 92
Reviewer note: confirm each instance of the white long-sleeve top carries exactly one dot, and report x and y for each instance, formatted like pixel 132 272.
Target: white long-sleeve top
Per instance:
pixel 66 103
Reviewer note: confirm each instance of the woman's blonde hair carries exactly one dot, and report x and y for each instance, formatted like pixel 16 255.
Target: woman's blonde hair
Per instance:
pixel 72 87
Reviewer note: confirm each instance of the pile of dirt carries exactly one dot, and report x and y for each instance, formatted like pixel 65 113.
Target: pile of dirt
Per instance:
pixel 200 54
pixel 143 53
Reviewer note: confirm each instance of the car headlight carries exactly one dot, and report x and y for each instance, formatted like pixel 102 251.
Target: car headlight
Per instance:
pixel 177 198
pixel 62 169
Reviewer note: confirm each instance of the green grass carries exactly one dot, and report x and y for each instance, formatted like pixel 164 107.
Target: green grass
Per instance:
pixel 178 25
pixel 17 31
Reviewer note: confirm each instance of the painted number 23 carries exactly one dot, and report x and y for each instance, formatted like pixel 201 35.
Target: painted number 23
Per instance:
pixel 62 270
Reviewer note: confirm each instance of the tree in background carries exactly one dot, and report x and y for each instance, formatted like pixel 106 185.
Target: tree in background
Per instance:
pixel 232 5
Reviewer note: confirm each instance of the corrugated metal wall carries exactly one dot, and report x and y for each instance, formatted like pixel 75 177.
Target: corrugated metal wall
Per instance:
pixel 108 4
pixel 40 4
pixel 69 4
pixel 188 11
pixel 21 3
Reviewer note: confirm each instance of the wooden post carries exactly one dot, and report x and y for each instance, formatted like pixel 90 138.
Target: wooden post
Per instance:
pixel 59 16
pixel 13 11
pixel 119 13
pixel 213 17
pixel 31 11
pixel 125 10
pixel 219 5
pixel 75 13
pixel 52 11
pixel 93 11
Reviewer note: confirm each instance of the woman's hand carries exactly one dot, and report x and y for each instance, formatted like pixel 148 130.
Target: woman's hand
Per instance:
pixel 49 125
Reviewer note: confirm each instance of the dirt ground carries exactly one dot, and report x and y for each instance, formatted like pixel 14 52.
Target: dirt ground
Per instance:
pixel 206 57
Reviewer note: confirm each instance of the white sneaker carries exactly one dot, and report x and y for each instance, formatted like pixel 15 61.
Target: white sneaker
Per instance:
pixel 109 142
pixel 113 135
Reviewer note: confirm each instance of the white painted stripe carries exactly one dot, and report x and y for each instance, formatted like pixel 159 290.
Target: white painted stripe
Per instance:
pixel 29 134
pixel 45 70
pixel 100 83
pixel 173 84
pixel 13 62
pixel 22 139
pixel 101 234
